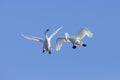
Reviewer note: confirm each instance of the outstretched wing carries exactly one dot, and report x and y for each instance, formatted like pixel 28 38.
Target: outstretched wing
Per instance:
pixel 83 32
pixel 33 38
pixel 59 42
pixel 53 34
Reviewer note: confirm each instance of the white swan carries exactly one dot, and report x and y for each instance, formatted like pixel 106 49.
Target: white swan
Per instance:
pixel 75 40
pixel 46 42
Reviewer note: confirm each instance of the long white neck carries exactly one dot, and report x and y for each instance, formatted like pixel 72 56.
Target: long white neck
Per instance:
pixel 46 33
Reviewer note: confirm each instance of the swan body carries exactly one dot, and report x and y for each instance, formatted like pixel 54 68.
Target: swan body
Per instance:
pixel 46 42
pixel 75 40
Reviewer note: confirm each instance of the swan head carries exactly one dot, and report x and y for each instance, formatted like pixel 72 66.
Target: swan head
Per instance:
pixel 78 42
pixel 47 30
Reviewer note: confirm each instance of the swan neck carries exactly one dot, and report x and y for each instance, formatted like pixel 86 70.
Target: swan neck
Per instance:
pixel 46 35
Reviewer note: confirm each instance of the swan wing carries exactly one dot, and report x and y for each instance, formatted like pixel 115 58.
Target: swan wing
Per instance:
pixel 33 38
pixel 53 34
pixel 83 32
pixel 59 42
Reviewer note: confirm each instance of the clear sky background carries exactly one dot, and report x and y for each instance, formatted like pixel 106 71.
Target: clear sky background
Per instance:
pixel 22 59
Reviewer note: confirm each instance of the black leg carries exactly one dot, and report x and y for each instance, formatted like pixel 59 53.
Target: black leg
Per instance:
pixel 84 45
pixel 43 51
pixel 74 47
pixel 49 52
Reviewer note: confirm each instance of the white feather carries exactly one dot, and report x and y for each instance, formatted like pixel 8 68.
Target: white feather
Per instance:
pixel 59 42
pixel 82 33
pixel 53 34
pixel 33 38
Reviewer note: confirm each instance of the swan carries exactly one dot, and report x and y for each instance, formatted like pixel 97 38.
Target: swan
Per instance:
pixel 75 40
pixel 46 42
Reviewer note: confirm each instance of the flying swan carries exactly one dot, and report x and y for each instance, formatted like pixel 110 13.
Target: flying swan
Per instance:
pixel 46 42
pixel 75 40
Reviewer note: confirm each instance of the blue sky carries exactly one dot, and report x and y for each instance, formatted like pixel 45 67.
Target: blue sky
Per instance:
pixel 22 59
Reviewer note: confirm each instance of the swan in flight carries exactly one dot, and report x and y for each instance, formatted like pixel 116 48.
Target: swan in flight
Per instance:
pixel 75 40
pixel 46 42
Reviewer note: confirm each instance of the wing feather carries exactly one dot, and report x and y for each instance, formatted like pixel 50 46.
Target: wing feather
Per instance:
pixel 53 34
pixel 83 32
pixel 59 42
pixel 33 38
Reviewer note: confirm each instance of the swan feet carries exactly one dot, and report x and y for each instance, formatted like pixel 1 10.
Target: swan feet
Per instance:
pixel 43 51
pixel 49 52
pixel 74 47
pixel 84 45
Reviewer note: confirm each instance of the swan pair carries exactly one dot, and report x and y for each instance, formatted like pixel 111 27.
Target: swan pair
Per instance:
pixel 75 40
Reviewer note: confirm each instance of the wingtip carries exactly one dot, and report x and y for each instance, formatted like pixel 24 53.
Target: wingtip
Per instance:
pixel 90 34
pixel 61 27
pixel 57 50
pixel 22 35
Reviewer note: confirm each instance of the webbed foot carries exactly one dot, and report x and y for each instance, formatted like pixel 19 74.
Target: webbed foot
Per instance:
pixel 84 45
pixel 74 47
pixel 43 51
pixel 49 52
